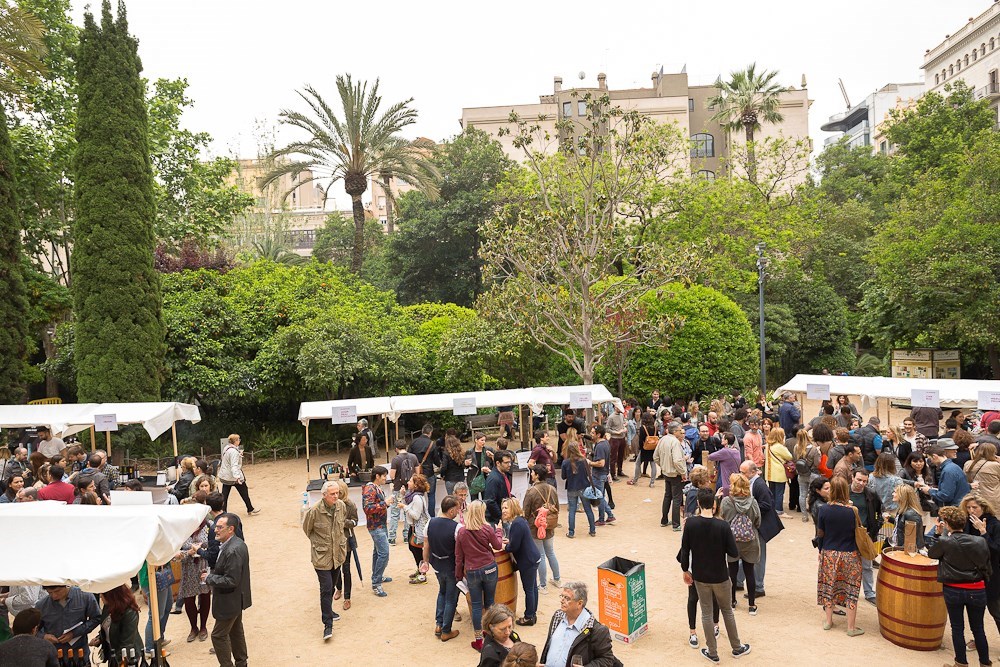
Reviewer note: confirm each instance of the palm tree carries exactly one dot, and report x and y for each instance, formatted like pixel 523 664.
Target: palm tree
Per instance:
pixel 748 98
pixel 361 144
pixel 21 47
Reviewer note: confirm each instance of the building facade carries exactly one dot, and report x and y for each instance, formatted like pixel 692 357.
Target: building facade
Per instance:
pixel 972 54
pixel 669 99
pixel 860 124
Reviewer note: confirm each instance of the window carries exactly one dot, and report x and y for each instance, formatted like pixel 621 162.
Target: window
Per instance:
pixel 708 175
pixel 992 43
pixel 690 104
pixel 994 83
pixel 966 61
pixel 975 54
pixel 883 147
pixel 937 79
pixel 381 202
pixel 702 145
pixel 581 108
pixel 567 109
pixel 951 70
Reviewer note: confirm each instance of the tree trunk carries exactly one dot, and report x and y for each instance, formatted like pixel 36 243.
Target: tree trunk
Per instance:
pixel 994 356
pixel 358 251
pixel 386 185
pixel 751 156
pixel 48 345
pixel 621 383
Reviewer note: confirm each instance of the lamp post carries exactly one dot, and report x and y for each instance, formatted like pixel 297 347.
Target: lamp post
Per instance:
pixel 761 264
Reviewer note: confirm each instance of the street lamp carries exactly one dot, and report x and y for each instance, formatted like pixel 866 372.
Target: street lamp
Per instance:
pixel 761 265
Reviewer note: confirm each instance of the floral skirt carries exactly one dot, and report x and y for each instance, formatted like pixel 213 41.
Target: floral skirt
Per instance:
pixel 839 579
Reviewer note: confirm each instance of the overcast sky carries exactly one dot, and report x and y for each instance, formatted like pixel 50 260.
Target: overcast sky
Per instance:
pixel 245 59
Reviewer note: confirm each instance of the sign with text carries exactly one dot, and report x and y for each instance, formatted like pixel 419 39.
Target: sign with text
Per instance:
pixel 580 400
pixel 818 392
pixel 345 414
pixel 925 398
pixel 464 406
pixel 989 400
pixel 105 423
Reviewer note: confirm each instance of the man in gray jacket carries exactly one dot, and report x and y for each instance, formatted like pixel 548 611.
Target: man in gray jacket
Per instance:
pixel 230 582
pixel 669 455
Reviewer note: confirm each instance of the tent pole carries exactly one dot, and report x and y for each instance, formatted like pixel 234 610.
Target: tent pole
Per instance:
pixel 107 441
pixel 307 452
pixel 173 436
pixel 93 440
pixel 385 423
pixel 154 610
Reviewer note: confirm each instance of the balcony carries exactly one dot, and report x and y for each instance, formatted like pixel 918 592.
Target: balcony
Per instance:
pixel 992 91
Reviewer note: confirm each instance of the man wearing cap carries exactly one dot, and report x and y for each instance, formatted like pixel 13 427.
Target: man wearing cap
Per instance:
pixel 952 484
pixel 788 414
pixel 870 440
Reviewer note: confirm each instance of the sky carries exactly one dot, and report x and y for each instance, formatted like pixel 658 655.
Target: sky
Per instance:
pixel 245 59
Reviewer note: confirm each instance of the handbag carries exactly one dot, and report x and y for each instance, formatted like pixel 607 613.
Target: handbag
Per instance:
pixel 164 577
pixel 866 548
pixel 592 493
pixel 791 470
pixel 478 484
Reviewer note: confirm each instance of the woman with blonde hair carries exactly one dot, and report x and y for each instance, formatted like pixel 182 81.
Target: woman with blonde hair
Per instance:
pixel 908 509
pixel 775 455
pixel 647 430
pixel 808 454
pixel 576 472
pixel 231 475
pixel 350 521
pixel 182 487
pixel 475 543
pixel 742 512
pixel 983 521
pixel 884 480
pixel 983 472
pixel 519 544
pixel 498 635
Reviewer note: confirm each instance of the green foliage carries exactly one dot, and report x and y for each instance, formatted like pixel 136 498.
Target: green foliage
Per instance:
pixel 335 242
pixel 712 350
pixel 434 250
pixel 14 305
pixel 22 47
pixel 119 331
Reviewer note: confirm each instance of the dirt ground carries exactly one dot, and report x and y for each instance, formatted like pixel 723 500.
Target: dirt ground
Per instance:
pixel 283 625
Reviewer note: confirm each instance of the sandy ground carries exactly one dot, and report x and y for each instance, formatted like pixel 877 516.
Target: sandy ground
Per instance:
pixel 283 626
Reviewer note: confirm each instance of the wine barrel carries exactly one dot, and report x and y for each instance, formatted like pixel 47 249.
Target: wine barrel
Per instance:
pixel 506 592
pixel 911 610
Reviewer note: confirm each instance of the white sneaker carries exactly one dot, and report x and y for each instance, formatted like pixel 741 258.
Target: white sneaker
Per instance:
pixel 543 590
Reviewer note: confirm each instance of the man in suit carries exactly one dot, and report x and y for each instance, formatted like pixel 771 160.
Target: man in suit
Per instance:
pixel 230 582
pixel 770 524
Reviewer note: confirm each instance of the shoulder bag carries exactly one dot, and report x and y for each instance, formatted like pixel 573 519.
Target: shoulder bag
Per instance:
pixel 592 493
pixel 866 548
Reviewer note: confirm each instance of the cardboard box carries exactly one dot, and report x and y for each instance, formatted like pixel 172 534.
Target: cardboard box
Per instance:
pixel 621 596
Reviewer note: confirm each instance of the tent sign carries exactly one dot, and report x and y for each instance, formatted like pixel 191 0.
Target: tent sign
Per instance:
pixel 345 414
pixel 105 423
pixel 989 400
pixel 925 398
pixel 464 406
pixel 818 392
pixel 580 400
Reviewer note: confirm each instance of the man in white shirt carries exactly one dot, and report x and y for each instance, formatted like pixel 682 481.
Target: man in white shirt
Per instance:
pixel 48 445
pixel 575 632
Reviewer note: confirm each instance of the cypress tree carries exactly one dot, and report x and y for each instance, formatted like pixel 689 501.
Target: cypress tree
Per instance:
pixel 116 291
pixel 14 300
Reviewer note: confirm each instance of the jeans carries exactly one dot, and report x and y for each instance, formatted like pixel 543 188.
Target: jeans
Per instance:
pixel 529 582
pixel 673 489
pixel 240 489
pixel 572 498
pixel 395 515
pixel 450 486
pixel 164 599
pixel 960 602
pixel 482 584
pixel 380 554
pixel 804 481
pixel 758 568
pixel 638 468
pixel 548 550
pixel 778 491
pixel 603 511
pixel 328 580
pixel 719 594
pixel 693 605
pixel 447 600
pixel 432 494
pixel 867 579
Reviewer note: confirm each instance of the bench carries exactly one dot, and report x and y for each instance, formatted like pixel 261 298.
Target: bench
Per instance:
pixel 488 422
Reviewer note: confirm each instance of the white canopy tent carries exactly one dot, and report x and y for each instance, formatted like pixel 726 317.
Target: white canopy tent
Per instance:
pixel 67 419
pixel 953 393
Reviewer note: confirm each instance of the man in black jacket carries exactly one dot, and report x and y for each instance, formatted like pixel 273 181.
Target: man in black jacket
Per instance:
pixel 497 486
pixel 870 510
pixel 230 582
pixel 429 456
pixel 770 524
pixel 210 552
pixel 574 632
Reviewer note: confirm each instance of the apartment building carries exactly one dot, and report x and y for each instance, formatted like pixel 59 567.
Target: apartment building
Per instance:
pixel 669 99
pixel 861 123
pixel 972 54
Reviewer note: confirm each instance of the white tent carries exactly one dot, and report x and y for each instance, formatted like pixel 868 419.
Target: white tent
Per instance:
pixel 90 546
pixel 366 407
pixel 953 393
pixel 56 417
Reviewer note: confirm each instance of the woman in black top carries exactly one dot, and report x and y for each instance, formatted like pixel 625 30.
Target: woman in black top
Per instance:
pixel 983 522
pixel 498 635
pixel 646 430
pixel 452 462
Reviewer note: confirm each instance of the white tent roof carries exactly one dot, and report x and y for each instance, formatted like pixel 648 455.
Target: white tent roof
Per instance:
pixel 394 406
pixel 954 393
pixel 70 418
pixel 94 547
pixel 56 417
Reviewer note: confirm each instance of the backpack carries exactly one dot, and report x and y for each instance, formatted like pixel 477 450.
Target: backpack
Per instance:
pixel 742 527
pixel 802 466
pixel 552 512
pixel 407 467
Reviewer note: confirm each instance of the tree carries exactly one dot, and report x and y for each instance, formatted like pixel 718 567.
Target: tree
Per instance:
pixel 435 249
pixel 555 250
pixel 119 329
pixel 353 148
pixel 744 101
pixel 335 242
pixel 22 47
pixel 711 350
pixel 14 305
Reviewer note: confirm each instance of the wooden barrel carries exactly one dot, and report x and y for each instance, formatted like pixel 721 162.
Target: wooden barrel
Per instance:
pixel 911 610
pixel 506 592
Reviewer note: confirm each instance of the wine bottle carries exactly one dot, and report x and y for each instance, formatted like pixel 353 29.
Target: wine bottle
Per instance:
pixel 59 657
pixel 80 660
